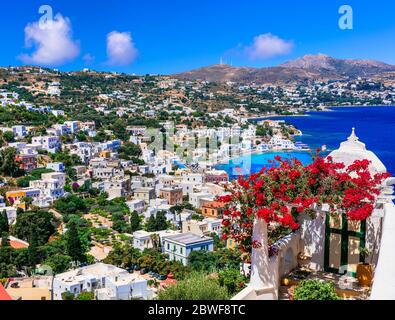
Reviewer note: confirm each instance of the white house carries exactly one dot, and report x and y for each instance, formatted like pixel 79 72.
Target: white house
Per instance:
pixel 136 205
pixel 51 188
pixel 205 227
pixel 56 166
pixel 48 143
pixel 178 247
pixel 19 131
pixel 107 282
pixel 144 240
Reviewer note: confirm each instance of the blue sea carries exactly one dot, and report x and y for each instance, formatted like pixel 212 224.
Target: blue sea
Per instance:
pixel 375 126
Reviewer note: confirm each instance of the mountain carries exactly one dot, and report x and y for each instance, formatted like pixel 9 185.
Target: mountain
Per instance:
pixel 309 67
pixel 217 73
pixel 347 67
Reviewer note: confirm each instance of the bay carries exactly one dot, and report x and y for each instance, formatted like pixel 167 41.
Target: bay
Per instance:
pixel 375 126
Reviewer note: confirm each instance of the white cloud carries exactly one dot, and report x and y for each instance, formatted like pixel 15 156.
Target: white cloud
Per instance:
pixel 121 50
pixel 52 42
pixel 88 59
pixel 267 46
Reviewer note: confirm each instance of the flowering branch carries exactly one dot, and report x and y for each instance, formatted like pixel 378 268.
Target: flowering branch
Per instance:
pixel 281 193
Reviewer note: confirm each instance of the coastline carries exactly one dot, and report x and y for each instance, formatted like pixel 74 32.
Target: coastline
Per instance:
pixel 226 160
pixel 257 118
pixel 324 109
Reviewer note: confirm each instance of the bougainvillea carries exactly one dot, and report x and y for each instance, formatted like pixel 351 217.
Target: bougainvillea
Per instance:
pixel 287 189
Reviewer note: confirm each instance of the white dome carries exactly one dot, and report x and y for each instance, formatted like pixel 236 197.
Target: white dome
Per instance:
pixel 352 150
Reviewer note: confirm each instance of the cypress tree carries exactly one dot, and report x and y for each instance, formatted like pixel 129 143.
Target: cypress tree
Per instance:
pixel 73 243
pixel 135 221
pixel 4 226
pixel 151 224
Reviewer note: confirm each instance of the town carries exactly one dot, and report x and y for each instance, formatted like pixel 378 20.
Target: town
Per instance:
pixel 109 182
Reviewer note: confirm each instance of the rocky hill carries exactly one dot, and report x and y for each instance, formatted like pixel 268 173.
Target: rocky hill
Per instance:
pixel 309 67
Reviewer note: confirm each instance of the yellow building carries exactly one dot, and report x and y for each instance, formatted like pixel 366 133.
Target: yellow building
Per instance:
pixel 15 198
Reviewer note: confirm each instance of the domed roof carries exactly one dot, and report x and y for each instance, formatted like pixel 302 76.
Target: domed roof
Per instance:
pixel 352 150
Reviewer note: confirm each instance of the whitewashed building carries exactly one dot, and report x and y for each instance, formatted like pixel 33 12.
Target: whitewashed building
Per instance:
pixel 107 282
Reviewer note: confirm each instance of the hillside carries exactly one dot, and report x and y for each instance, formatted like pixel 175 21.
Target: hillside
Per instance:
pixel 309 67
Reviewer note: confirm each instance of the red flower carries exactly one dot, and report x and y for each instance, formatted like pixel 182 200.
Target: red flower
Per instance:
pixel 225 199
pixel 270 194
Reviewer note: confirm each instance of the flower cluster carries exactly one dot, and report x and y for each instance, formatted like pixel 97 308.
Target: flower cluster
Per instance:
pixel 281 193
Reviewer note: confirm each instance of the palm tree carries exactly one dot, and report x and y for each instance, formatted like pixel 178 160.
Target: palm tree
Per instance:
pixel 155 241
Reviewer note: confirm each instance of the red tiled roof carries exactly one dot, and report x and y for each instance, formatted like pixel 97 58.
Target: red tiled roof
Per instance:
pixel 168 282
pixel 4 294
pixel 18 245
pixel 214 204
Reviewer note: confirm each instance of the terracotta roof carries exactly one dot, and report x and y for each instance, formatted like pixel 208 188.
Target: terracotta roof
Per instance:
pixel 214 204
pixel 4 294
pixel 168 282
pixel 18 245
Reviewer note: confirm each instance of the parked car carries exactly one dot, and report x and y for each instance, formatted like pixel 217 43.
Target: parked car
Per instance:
pixel 143 271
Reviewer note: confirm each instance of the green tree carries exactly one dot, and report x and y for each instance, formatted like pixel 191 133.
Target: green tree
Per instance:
pixel 129 150
pixel 33 251
pixel 73 243
pixel 151 224
pixel 202 261
pixel 86 296
pixel 4 226
pixel 135 221
pixel 71 205
pixel 8 136
pixel 4 242
pixel 123 256
pixel 119 223
pixel 59 263
pixel 8 164
pixel 67 295
pixel 197 286
pixel 119 129
pixel 161 221
pixel 232 279
pixel 35 225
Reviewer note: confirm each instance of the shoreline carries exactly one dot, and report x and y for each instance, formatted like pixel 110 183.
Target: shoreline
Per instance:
pixel 228 159
pixel 257 118
pixel 324 109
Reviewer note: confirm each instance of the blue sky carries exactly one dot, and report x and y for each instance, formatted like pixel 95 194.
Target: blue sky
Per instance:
pixel 172 36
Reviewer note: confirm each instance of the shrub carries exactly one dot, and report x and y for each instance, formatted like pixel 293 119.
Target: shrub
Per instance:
pixel 196 287
pixel 67 296
pixel 232 279
pixel 86 296
pixel 315 290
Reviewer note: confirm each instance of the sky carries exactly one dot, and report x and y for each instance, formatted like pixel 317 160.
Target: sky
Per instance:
pixel 165 37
